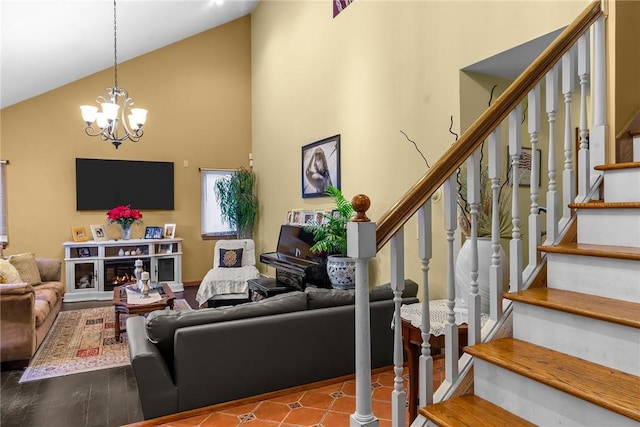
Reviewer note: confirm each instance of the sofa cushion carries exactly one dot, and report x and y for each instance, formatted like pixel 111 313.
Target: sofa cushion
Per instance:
pixel 27 268
pixel 56 287
pixel 8 273
pixel 161 325
pixel 50 269
pixel 323 298
pixel 41 310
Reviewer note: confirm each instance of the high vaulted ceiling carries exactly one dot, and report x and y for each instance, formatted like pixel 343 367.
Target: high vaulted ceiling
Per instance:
pixel 46 44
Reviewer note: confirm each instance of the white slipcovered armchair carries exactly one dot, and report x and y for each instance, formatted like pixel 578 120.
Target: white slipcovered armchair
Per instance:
pixel 227 280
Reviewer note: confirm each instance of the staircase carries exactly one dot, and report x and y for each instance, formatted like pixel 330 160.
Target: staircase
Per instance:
pixel 574 358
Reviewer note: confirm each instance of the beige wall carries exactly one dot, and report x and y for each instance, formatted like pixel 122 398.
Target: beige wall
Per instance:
pixel 377 69
pixel 198 93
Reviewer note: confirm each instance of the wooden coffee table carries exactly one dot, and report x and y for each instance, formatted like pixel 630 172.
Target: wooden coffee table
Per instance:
pixel 122 307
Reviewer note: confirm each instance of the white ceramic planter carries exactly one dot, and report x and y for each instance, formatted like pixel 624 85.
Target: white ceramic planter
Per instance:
pixel 341 271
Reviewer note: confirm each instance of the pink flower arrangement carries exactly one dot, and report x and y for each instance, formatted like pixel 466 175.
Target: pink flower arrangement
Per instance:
pixel 124 215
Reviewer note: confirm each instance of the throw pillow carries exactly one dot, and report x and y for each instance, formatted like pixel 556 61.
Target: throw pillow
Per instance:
pixel 27 268
pixel 231 258
pixel 8 273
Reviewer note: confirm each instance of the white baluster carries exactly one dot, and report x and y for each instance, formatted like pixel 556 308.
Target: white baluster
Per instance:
pixel 599 96
pixel 425 252
pixel 551 82
pixel 451 329
pixel 534 216
pixel 398 395
pixel 495 271
pixel 515 245
pixel 361 246
pixel 473 197
pixel 584 182
pixel 568 175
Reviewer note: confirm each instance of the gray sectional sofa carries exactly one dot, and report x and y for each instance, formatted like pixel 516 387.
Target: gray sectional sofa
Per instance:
pixel 187 360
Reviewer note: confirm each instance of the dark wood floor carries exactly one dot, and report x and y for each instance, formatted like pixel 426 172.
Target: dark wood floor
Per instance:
pixel 108 397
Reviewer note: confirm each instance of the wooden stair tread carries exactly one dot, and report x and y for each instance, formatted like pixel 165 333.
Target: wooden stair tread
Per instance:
pixel 605 205
pixel 607 309
pixel 471 410
pixel 606 387
pixel 604 251
pixel 617 166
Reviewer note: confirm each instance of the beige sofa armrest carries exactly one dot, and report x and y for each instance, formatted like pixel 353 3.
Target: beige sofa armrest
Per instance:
pixel 17 322
pixel 50 269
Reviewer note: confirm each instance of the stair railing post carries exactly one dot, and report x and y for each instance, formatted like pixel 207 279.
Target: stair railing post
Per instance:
pixel 473 197
pixel 495 271
pixel 584 168
pixel 533 124
pixel 599 96
pixel 568 174
pixel 450 196
pixel 425 363
pixel 398 395
pixel 551 84
pixel 361 246
pixel 515 245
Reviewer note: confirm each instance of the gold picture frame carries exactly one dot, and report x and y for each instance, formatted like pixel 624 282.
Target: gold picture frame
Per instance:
pixel 79 234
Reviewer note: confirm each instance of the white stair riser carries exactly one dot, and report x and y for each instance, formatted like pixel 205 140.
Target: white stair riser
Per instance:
pixel 605 277
pixel 622 185
pixel 605 343
pixel 615 227
pixel 537 403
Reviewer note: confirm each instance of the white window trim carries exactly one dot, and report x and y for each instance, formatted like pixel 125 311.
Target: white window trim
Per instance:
pixel 210 218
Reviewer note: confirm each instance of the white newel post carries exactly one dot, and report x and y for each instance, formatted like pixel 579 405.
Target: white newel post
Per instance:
pixel 361 246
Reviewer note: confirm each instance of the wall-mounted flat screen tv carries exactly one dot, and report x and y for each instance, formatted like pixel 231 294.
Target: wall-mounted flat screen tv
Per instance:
pixel 105 184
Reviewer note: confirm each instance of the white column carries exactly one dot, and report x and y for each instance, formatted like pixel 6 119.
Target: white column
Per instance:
pixel 495 271
pixel 533 125
pixel 584 168
pixel 551 82
pixel 473 197
pixel 425 363
pixel 450 196
pixel 515 245
pixel 361 246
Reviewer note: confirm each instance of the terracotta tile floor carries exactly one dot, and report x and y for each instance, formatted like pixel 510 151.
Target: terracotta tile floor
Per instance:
pixel 328 406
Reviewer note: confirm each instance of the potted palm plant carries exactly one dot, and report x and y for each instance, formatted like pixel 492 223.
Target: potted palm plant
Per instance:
pixel 330 235
pixel 237 201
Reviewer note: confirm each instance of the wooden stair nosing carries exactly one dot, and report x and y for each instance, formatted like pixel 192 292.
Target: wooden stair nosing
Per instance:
pixel 586 249
pixel 595 307
pixel 618 166
pixel 471 410
pixel 605 205
pixel 605 387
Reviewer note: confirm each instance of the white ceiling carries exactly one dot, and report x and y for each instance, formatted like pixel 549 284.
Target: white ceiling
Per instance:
pixel 46 43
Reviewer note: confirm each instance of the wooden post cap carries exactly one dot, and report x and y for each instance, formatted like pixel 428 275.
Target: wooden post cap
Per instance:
pixel 361 204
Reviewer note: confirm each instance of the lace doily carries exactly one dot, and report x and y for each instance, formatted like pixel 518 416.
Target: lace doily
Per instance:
pixel 437 315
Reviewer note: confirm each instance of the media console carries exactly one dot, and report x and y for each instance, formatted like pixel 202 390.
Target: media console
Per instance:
pixel 94 268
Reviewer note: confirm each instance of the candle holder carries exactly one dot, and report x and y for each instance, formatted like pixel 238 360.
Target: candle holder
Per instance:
pixel 145 284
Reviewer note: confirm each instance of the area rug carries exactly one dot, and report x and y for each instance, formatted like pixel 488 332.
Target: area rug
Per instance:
pixel 82 341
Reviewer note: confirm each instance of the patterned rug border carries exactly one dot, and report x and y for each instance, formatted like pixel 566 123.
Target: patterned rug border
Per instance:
pixel 64 363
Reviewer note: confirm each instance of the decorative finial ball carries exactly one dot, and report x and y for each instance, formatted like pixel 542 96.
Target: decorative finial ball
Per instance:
pixel 360 203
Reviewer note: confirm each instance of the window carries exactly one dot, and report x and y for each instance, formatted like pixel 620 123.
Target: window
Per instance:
pixel 212 224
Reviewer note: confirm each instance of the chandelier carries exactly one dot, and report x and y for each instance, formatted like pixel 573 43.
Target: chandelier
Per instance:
pixel 112 126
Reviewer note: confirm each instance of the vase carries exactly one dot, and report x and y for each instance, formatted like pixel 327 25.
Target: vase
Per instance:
pixel 463 273
pixel 126 231
pixel 341 271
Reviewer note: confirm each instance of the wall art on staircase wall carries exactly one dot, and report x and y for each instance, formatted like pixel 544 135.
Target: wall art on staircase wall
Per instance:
pixel 320 166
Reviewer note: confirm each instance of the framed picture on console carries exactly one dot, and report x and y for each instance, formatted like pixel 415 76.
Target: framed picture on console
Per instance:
pixel 153 232
pixel 79 234
pixel 320 166
pixel 98 233
pixel 169 231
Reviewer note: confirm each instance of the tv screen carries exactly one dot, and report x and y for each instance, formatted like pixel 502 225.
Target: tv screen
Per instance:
pixel 104 184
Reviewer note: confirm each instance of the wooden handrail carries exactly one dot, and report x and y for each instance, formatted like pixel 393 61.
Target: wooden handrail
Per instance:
pixel 419 193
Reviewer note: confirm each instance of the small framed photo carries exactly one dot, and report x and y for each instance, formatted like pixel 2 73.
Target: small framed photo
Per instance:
pixel 84 252
pixel 165 249
pixel 308 217
pixel 79 234
pixel 169 231
pixel 98 233
pixel 153 232
pixel 296 217
pixel 319 217
pixel 320 166
pixel 289 217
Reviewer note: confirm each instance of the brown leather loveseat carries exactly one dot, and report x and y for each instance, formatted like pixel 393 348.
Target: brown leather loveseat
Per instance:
pixel 28 309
